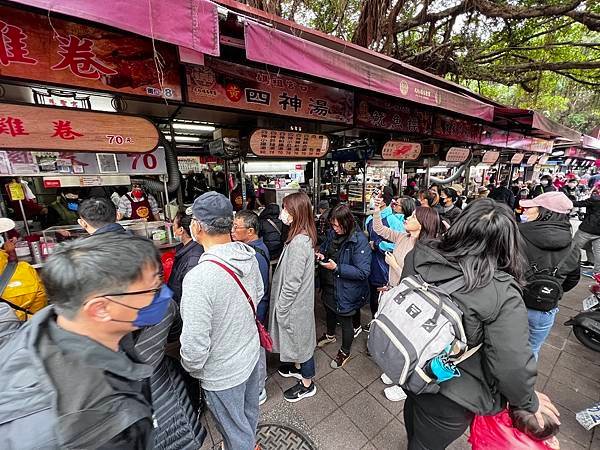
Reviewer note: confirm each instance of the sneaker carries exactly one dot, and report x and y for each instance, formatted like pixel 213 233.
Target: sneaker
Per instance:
pixel 262 397
pixel 289 371
pixel 394 394
pixel 299 391
pixel 339 360
pixel 587 264
pixel 325 339
pixel 588 273
pixel 357 331
pixel 367 328
pixel 386 380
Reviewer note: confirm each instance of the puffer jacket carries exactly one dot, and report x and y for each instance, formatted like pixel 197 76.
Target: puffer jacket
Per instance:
pixel 546 245
pixel 186 258
pixel 25 288
pixel 353 269
pixel 272 230
pixel 591 221
pixel 379 268
pixel 503 369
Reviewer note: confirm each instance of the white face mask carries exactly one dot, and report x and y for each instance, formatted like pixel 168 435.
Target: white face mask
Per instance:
pixel 544 182
pixel 285 217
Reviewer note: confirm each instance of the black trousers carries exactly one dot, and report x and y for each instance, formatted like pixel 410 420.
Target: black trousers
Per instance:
pixel 349 323
pixel 433 421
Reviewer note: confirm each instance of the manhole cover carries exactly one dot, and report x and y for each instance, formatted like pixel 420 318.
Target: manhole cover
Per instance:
pixel 275 436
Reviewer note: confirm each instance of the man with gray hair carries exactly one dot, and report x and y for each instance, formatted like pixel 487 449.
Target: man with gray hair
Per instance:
pixel 69 375
pixel 219 342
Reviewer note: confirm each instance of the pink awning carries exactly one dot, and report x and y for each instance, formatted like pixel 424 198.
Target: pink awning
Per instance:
pixel 537 124
pixel 193 24
pixel 276 48
pixel 590 142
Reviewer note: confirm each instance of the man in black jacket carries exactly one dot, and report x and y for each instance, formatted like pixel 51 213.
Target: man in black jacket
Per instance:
pixel 68 374
pixel 503 194
pixel 99 216
pixel 588 232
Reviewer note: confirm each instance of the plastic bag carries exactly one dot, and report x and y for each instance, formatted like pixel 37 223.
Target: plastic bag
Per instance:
pixel 167 259
pixel 497 433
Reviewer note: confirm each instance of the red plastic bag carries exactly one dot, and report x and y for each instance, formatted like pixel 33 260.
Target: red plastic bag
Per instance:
pixel 497 433
pixel 167 259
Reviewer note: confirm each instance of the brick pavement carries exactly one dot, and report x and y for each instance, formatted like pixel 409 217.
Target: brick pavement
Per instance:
pixel 350 411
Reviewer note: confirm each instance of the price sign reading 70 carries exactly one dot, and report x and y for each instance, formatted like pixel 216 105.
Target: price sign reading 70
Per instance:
pixel 147 160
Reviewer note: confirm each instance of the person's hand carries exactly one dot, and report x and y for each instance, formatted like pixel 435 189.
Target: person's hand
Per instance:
pixel 391 260
pixel 64 233
pixel 9 246
pixel 546 407
pixel 379 204
pixel 319 256
pixel 331 265
pixel 372 245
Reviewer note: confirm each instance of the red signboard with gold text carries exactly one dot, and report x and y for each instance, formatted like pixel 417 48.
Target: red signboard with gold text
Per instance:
pixel 224 84
pixel 456 129
pixel 392 115
pixel 84 56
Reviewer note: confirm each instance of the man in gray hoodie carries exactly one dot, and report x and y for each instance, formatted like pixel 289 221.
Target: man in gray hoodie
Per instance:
pixel 219 341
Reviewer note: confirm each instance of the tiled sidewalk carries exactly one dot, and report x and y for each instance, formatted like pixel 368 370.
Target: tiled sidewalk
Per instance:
pixel 350 411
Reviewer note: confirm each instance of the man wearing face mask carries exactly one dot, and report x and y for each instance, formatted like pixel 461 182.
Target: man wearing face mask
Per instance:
pixel 544 186
pixel 70 374
pixel 570 189
pixel 219 342
pixel 63 211
pixel 588 232
pixel 136 204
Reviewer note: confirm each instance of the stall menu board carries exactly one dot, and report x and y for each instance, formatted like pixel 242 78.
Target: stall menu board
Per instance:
pixel 228 85
pixel 67 53
pixel 490 157
pixel 517 158
pixel 454 129
pixel 24 163
pixel 532 160
pixel 189 164
pixel 543 160
pixel 288 144
pixel 541 145
pixel 401 151
pixel 49 128
pixel 392 115
pixel 458 154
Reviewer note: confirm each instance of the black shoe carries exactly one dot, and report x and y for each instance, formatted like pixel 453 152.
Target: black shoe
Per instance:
pixel 299 391
pixel 587 264
pixel 289 371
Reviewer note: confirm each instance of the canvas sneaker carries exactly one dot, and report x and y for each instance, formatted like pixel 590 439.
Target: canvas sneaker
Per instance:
pixel 386 380
pixel 339 360
pixel 325 339
pixel 289 371
pixel 262 397
pixel 357 331
pixel 394 393
pixel 299 391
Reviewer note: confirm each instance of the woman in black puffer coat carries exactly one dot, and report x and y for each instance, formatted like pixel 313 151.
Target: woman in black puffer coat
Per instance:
pixel 272 230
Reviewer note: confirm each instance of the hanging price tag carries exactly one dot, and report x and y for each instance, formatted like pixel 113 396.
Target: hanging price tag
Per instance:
pixel 16 191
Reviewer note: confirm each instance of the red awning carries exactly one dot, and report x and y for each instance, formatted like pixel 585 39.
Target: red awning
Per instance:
pixel 270 46
pixel 590 143
pixel 534 123
pixel 193 24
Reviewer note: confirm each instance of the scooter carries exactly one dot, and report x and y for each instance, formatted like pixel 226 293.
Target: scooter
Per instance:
pixel 586 324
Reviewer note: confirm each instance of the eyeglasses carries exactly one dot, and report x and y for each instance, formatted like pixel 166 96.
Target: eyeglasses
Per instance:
pixel 236 227
pixel 123 294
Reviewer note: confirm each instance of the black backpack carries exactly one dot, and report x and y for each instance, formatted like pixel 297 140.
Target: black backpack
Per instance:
pixel 543 290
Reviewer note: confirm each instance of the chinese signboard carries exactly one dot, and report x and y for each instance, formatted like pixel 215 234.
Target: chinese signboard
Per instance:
pixel 24 163
pixel 401 151
pixel 220 83
pixel 455 129
pixel 288 144
pixel 69 53
pixel 517 158
pixel 532 160
pixel 541 145
pixel 494 137
pixel 457 154
pixel 38 127
pixel 392 115
pixel 490 157
pixel 518 141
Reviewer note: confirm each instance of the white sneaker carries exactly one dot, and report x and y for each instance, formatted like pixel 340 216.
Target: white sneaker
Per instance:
pixel 394 394
pixel 386 379
pixel 357 331
pixel 262 397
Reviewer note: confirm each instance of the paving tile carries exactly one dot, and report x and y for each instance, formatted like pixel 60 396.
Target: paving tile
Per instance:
pixel 362 369
pixel 558 342
pixel 338 432
pixel 540 382
pixel 460 444
pixel 581 351
pixel 367 414
pixel 581 366
pixel 340 386
pixel 546 360
pixel 322 361
pixel 369 446
pixel 274 394
pixel 332 349
pixel 314 409
pixel 569 444
pixel 392 437
pixel 566 396
pixel 284 383
pixel 570 428
pixel 376 390
pixel 576 381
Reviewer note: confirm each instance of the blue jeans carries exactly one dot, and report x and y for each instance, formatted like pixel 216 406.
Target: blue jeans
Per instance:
pixel 307 369
pixel 540 324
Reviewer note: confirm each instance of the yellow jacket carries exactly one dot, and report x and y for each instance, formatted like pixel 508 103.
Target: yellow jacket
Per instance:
pixel 25 288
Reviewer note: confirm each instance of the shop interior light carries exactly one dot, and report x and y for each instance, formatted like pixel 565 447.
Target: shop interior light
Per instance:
pixel 558 153
pixel 590 158
pixel 193 127
pixel 183 138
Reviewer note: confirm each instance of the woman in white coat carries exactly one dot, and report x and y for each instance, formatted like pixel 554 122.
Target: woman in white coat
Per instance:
pixel 291 318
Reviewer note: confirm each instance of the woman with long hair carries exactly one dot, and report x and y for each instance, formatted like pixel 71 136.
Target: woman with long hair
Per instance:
pixel 547 234
pixel 291 318
pixel 484 247
pixel 423 224
pixel 345 265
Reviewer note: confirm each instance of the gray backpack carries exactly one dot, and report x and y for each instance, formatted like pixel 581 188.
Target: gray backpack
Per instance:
pixel 416 322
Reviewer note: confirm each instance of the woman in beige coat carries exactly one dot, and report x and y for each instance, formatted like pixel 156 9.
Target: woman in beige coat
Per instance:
pixel 292 316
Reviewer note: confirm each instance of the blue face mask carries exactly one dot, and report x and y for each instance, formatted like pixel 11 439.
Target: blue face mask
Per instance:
pixel 73 206
pixel 154 312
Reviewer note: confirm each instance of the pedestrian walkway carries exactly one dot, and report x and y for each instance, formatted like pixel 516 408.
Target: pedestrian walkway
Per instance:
pixel 350 411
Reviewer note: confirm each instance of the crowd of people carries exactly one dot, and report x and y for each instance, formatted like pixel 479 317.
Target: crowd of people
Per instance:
pixel 122 357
